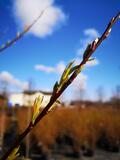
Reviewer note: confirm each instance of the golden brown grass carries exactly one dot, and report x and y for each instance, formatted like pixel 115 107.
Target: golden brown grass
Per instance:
pixel 4 122
pixel 85 126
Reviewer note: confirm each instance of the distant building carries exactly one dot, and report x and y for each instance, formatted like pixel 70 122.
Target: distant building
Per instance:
pixel 83 104
pixel 27 98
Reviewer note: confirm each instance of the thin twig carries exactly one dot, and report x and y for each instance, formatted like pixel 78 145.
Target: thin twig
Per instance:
pixel 93 46
pixel 20 35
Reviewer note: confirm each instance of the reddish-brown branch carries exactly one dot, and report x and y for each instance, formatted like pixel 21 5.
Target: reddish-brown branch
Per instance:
pixel 94 46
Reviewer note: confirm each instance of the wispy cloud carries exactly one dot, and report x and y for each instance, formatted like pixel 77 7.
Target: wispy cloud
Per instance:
pixel 89 35
pixel 91 32
pixel 59 68
pixel 13 81
pixel 27 10
pixel 44 68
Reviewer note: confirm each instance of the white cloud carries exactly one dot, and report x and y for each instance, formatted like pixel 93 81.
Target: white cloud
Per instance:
pixel 26 12
pixel 59 68
pixel 44 68
pixel 90 34
pixel 11 80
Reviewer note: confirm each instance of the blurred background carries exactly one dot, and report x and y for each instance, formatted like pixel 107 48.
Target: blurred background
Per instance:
pixel 87 123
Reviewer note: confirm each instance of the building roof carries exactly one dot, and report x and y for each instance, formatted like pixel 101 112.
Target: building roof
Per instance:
pixel 36 91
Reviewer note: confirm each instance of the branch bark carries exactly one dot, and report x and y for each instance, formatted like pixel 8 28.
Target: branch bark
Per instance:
pixel 93 46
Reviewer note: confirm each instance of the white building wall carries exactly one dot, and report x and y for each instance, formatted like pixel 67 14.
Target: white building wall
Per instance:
pixel 22 99
pixel 16 99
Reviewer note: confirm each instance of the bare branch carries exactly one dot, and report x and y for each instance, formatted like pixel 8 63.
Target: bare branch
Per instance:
pixel 20 35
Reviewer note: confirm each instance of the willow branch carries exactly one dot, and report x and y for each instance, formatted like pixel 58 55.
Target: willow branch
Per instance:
pixel 90 50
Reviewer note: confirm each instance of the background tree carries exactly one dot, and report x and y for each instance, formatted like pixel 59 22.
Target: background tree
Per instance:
pixel 115 99
pixel 100 94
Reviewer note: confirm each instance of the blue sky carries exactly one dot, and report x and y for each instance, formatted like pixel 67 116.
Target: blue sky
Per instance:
pixel 59 37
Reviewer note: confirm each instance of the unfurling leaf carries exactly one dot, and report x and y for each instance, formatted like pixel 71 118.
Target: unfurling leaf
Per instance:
pixel 74 68
pixel 94 44
pixel 66 72
pixel 57 102
pixel 79 69
pixel 15 153
pixel 65 75
pixel 36 108
pixel 91 59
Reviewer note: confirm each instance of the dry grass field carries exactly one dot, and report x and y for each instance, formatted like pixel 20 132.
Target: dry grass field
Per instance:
pixel 83 126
